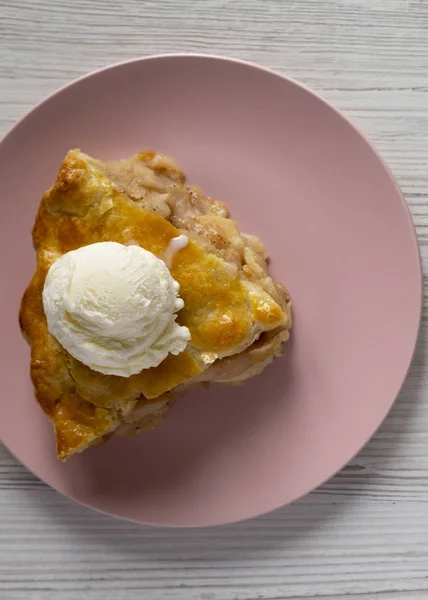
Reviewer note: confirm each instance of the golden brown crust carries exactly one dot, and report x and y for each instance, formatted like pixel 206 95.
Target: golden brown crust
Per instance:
pixel 229 297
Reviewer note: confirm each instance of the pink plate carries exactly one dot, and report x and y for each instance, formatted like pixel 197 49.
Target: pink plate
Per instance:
pixel 294 171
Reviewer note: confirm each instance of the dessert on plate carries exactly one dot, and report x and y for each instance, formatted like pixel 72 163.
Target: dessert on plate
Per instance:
pixel 143 288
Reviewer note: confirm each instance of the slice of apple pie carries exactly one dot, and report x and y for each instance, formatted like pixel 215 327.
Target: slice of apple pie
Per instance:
pixel 144 287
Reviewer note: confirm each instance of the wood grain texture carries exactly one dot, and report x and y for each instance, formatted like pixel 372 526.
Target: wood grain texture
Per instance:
pixel 364 534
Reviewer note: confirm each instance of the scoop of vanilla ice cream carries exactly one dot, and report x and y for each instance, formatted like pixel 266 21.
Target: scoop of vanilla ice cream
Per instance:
pixel 113 308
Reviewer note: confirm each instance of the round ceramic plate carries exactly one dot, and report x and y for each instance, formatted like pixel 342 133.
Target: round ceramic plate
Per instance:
pixel 293 171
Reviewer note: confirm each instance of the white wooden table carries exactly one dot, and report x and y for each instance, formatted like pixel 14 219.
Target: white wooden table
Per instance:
pixel 363 535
